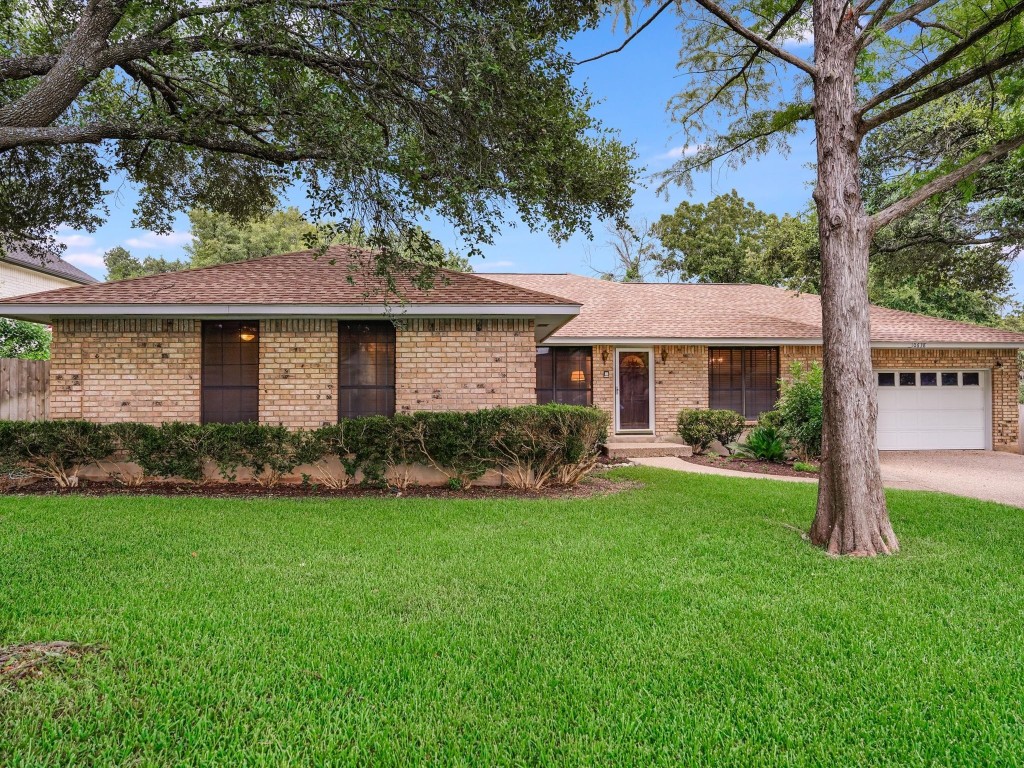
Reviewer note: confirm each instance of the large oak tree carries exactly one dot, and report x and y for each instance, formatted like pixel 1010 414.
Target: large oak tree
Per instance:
pixel 873 62
pixel 384 111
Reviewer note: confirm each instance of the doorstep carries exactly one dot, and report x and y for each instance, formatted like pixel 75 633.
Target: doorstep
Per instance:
pixel 642 446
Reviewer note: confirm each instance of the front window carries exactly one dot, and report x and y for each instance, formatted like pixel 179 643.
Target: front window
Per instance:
pixel 366 369
pixel 745 380
pixel 565 375
pixel 231 371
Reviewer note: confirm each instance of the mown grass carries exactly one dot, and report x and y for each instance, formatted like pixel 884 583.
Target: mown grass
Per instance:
pixel 683 624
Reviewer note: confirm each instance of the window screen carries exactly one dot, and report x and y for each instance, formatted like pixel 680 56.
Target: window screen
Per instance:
pixel 743 380
pixel 565 375
pixel 366 369
pixel 230 371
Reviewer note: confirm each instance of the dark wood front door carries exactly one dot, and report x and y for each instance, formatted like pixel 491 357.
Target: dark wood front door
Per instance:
pixel 634 387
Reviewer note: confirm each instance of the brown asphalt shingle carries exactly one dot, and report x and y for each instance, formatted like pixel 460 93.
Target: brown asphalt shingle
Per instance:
pixel 725 311
pixel 341 276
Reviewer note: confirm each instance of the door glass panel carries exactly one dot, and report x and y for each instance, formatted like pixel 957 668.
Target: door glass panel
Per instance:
pixel 949 379
pixel 886 379
pixel 634 390
pixel 971 378
pixel 929 379
pixel 908 379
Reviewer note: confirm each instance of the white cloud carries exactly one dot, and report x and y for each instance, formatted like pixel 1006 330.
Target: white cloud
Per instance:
pixel 799 40
pixel 74 240
pixel 89 258
pixel 154 240
pixel 492 266
pixel 678 152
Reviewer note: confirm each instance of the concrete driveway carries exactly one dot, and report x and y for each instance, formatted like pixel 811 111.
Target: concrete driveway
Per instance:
pixel 989 475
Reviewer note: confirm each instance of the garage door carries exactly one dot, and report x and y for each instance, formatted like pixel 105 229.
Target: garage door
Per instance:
pixel 932 410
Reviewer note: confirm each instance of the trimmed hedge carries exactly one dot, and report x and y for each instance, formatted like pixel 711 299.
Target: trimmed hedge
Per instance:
pixel 532 445
pixel 700 428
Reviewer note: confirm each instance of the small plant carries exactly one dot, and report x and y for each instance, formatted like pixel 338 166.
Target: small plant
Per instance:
pixel 803 466
pixel 701 428
pixel 763 444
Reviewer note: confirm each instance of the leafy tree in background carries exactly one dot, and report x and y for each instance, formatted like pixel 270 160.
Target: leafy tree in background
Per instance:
pixel 874 63
pixel 121 264
pixel 383 112
pixel 219 239
pixel 29 341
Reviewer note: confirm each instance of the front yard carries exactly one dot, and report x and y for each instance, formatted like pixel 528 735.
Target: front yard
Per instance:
pixel 681 623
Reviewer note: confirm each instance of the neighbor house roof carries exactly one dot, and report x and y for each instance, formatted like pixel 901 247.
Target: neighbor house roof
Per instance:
pixel 50 264
pixel 698 312
pixel 339 282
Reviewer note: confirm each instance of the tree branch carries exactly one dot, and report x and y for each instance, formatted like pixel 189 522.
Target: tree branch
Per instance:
pixel 876 26
pixel 761 42
pixel 22 67
pixel 945 57
pixel 628 40
pixel 97 132
pixel 943 183
pixel 940 89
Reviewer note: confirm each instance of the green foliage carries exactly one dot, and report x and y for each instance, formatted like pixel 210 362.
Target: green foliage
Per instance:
pixel 799 409
pixel 21 339
pixel 387 113
pixel 700 428
pixel 764 444
pixel 219 239
pixel 53 449
pixel 121 265
pixel 533 445
pixel 803 466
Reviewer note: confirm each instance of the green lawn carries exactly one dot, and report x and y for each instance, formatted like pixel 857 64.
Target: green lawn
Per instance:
pixel 681 624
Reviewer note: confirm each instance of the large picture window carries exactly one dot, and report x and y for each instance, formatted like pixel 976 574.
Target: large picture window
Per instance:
pixel 743 380
pixel 565 375
pixel 230 371
pixel 366 369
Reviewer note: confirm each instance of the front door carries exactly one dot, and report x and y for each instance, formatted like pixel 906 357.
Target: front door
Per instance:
pixel 633 390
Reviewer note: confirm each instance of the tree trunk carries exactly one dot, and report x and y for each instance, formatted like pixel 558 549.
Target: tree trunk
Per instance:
pixel 851 518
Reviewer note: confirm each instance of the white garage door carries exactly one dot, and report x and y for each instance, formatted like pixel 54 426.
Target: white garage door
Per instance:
pixel 932 410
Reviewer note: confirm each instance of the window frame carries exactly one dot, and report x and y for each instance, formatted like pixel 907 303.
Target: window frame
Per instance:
pixel 554 352
pixel 745 386
pixel 205 417
pixel 345 326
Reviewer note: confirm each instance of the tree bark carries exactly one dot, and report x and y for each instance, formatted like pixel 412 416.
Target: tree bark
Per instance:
pixel 851 518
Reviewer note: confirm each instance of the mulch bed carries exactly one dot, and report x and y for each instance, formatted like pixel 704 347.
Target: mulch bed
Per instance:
pixel 30 660
pixel 592 486
pixel 749 465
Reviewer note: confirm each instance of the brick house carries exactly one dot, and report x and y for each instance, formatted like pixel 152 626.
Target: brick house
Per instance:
pixel 300 341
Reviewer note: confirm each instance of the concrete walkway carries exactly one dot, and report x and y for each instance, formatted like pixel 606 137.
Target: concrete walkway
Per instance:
pixel 986 475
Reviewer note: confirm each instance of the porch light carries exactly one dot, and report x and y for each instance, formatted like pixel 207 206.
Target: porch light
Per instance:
pixel 247 334
pixel 577 376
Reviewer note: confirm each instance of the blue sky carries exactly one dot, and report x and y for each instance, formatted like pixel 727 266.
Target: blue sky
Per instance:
pixel 633 87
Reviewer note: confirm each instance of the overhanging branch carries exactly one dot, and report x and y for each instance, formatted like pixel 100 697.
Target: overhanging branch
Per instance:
pixel 944 183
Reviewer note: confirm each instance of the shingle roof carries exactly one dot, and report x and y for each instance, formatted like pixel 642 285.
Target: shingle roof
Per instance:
pixel 341 276
pixel 51 264
pixel 725 311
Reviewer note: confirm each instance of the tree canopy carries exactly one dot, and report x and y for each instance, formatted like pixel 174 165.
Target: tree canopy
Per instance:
pixel 29 341
pixel 219 239
pixel 382 112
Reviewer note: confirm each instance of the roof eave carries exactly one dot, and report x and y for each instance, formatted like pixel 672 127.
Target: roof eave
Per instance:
pixel 770 342
pixel 51 272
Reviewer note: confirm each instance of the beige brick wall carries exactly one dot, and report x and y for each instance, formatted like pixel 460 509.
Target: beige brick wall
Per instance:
pixel 298 372
pixel 110 370
pixel 452 364
pixel 1005 414
pixel 681 381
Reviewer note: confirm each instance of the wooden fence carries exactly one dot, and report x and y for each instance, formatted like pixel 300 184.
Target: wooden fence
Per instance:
pixel 24 389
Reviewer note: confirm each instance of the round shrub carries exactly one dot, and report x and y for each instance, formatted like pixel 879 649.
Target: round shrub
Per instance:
pixel 701 428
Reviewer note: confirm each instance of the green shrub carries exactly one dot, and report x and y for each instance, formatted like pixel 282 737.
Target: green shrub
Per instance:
pixel 800 410
pixel 533 445
pixel 763 444
pixel 701 428
pixel 55 449
pixel 803 466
